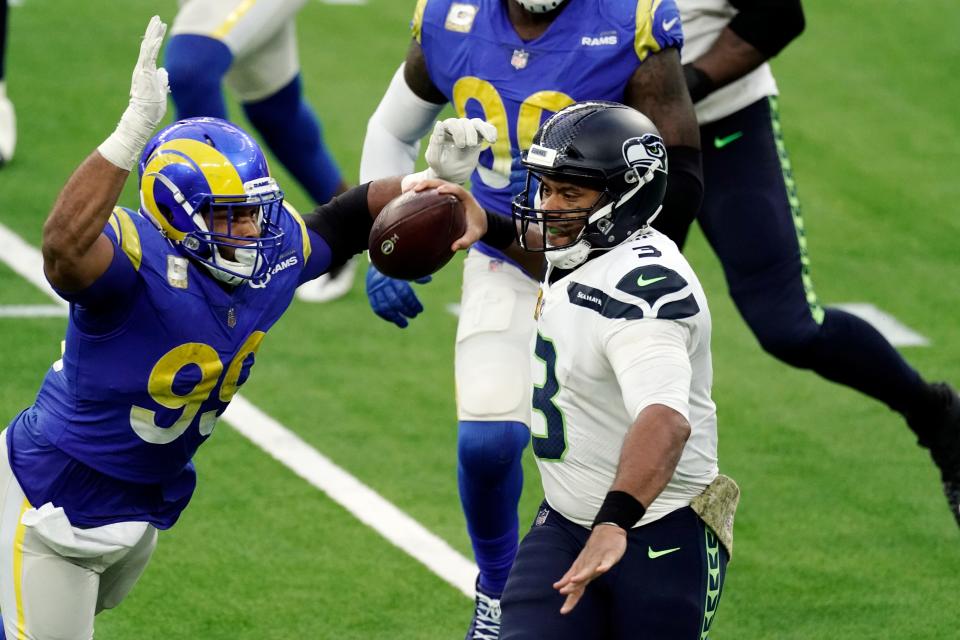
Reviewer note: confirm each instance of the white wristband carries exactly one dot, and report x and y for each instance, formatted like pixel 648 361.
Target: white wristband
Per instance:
pixel 125 144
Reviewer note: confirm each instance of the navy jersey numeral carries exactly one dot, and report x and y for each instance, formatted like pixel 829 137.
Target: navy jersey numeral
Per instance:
pixel 554 444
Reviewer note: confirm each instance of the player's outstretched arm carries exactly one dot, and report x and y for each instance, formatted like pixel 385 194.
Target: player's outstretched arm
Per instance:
pixel 760 30
pixel 405 114
pixel 75 251
pixel 497 231
pixel 648 459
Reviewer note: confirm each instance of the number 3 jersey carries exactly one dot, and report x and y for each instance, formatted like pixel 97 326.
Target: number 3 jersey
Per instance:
pixel 626 330
pixel 475 57
pixel 144 374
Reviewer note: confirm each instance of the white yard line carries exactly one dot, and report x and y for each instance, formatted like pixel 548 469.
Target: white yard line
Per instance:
pixel 896 333
pixel 32 311
pixel 281 443
pixel 364 503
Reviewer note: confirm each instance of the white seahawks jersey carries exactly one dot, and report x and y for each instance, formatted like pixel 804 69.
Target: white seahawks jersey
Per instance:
pixel 596 366
pixel 703 20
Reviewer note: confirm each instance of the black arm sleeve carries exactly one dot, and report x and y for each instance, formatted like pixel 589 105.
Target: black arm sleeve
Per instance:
pixel 768 25
pixel 684 193
pixel 501 231
pixel 344 223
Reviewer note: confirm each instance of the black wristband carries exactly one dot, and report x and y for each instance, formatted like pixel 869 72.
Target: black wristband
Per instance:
pixel 699 83
pixel 501 231
pixel 620 508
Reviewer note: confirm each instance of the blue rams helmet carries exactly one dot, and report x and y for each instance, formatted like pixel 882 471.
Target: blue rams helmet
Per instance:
pixel 608 147
pixel 197 167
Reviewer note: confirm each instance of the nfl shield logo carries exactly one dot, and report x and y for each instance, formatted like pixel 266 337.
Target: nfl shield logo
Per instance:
pixel 519 59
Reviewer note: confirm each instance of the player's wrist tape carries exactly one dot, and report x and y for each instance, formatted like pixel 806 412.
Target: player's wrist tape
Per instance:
pixel 125 144
pixel 699 83
pixel 620 508
pixel 501 231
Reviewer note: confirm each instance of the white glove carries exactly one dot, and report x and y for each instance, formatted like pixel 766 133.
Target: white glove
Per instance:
pixel 454 149
pixel 148 102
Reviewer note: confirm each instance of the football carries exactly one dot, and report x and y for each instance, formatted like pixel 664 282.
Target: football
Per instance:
pixel 411 237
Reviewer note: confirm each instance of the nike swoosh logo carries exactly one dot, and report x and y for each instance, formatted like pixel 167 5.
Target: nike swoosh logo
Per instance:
pixel 720 143
pixel 668 24
pixel 642 283
pixel 656 554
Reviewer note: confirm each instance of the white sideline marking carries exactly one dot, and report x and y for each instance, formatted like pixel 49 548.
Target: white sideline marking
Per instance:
pixel 453 308
pixel 364 503
pixel 27 262
pixel 896 333
pixel 32 311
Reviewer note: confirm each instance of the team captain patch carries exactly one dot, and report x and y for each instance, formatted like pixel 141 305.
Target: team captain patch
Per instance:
pixel 460 17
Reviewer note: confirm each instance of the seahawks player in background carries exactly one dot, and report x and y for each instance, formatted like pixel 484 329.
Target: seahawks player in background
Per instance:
pixel 624 428
pixel 251 44
pixel 514 63
pixel 751 217
pixel 168 307
pixel 8 120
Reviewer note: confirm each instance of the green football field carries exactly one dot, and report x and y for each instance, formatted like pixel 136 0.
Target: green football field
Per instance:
pixel 842 531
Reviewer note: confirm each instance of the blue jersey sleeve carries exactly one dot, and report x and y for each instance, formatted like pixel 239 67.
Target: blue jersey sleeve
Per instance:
pixel 118 283
pixel 658 27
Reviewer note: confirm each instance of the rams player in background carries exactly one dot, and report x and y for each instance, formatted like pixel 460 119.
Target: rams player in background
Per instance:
pixel 751 217
pixel 168 307
pixel 513 64
pixel 252 46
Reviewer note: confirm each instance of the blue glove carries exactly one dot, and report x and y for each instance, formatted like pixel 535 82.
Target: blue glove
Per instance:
pixel 392 299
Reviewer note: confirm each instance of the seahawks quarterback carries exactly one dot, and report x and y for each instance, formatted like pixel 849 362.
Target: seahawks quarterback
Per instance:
pixel 169 305
pixel 514 63
pixel 624 428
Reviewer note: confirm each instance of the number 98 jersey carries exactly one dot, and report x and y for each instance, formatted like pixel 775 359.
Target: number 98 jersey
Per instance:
pixel 476 59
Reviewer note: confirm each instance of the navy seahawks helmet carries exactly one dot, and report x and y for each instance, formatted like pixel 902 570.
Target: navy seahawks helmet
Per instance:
pixel 605 146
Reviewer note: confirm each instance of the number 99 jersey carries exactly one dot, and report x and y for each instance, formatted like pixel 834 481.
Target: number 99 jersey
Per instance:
pixel 476 59
pixel 146 370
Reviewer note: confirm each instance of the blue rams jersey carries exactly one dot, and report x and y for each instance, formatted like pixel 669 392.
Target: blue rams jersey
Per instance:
pixel 143 379
pixel 475 57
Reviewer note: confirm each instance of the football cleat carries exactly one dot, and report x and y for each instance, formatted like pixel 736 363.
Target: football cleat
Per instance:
pixel 486 617
pixel 939 431
pixel 331 285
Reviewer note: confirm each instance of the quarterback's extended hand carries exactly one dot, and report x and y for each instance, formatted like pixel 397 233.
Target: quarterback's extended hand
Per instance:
pixel 604 548
pixel 455 147
pixel 476 216
pixel 392 299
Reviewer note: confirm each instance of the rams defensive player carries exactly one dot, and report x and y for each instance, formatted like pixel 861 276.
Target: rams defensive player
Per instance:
pixel 513 64
pixel 168 307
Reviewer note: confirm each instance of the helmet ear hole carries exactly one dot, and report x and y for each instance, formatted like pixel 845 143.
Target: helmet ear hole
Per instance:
pixel 165 212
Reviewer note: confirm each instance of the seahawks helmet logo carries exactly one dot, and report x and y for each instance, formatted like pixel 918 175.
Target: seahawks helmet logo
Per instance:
pixel 644 153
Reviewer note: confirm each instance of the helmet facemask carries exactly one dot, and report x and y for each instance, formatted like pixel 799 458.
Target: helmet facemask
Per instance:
pixel 215 236
pixel 201 180
pixel 540 6
pixel 603 146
